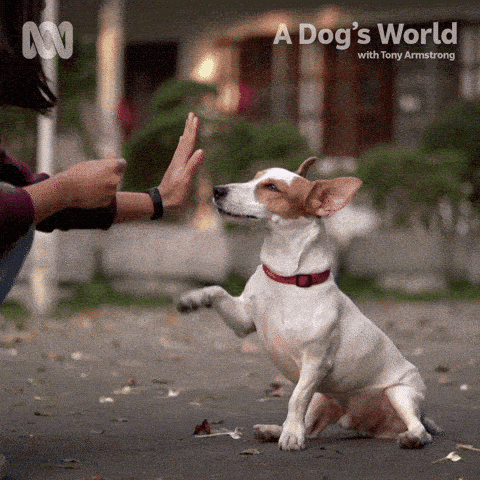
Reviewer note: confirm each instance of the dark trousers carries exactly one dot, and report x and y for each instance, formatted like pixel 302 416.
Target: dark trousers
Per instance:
pixel 12 260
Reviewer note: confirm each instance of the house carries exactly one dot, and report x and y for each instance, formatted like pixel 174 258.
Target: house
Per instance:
pixel 350 77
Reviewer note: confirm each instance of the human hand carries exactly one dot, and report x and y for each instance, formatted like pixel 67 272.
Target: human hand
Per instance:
pixel 175 185
pixel 92 184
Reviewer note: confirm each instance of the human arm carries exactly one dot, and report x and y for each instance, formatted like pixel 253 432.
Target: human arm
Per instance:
pixel 88 185
pixel 85 196
pixel 129 206
pixel 28 198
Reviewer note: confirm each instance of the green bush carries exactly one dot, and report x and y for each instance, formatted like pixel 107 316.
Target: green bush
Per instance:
pixel 459 127
pixel 413 180
pixel 233 147
pixel 240 147
pixel 150 150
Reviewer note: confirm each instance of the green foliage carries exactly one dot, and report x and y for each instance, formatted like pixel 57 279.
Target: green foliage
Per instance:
pixel 99 292
pixel 242 146
pixel 234 284
pixel 175 95
pixel 360 288
pixel 14 314
pixel 150 150
pixel 18 130
pixel 414 180
pixel 233 147
pixel 459 127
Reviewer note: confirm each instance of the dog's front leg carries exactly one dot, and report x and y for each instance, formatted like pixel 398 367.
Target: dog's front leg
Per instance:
pixel 293 431
pixel 231 309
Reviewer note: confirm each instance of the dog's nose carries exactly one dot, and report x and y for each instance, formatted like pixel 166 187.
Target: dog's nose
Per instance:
pixel 219 192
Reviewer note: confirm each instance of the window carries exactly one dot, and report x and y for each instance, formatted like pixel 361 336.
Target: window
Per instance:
pixel 470 62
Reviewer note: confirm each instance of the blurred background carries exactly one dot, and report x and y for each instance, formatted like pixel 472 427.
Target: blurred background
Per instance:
pixel 410 129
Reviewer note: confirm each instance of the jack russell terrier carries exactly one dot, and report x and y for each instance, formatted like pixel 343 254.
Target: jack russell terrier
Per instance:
pixel 346 370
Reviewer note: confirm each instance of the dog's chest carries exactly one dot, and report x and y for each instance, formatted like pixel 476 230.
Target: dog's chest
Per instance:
pixel 288 319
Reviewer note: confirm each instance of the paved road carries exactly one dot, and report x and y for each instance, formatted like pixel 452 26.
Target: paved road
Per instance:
pixel 115 394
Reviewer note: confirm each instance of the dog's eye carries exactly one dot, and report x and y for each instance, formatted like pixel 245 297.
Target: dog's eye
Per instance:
pixel 272 187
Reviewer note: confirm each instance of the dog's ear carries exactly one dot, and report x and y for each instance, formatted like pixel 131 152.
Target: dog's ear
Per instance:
pixel 303 168
pixel 328 196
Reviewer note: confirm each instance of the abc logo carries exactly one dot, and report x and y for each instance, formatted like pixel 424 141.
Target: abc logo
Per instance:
pixel 47 40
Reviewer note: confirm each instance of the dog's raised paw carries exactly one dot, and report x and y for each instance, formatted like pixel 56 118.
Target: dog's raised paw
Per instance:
pixel 267 433
pixel 192 301
pixel 202 297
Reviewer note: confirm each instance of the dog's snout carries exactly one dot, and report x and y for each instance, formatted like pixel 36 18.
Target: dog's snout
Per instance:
pixel 220 192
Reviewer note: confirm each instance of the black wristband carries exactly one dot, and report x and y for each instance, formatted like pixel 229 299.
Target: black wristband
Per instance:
pixel 157 203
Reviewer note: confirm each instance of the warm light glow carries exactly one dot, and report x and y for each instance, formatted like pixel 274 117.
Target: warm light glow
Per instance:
pixel 229 98
pixel 207 69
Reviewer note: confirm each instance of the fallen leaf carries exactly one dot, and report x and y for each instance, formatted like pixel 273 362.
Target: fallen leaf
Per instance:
pixel 69 463
pixel 106 400
pixel 131 382
pixel 251 451
pixel 127 390
pixel 235 434
pixel 277 389
pixel 161 382
pixel 468 447
pixel 203 428
pixel 77 356
pixel 172 393
pixel 452 456
pixel 42 399
pixel 40 414
pixel 56 357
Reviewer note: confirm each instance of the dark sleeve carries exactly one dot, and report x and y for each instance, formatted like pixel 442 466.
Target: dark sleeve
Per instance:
pixel 16 216
pixel 80 218
pixel 17 213
pixel 16 173
pixel 16 208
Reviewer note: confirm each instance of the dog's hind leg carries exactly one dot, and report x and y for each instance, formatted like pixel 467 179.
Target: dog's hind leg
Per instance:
pixel 321 412
pixel 267 433
pixel 405 399
pixel 231 309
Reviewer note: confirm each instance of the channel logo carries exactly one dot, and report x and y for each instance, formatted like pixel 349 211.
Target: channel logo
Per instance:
pixel 46 40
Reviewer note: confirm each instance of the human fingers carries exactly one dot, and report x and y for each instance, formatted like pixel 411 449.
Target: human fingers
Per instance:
pixel 187 141
pixel 115 165
pixel 195 161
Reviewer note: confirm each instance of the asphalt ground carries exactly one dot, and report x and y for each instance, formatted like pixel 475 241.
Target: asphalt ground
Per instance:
pixel 116 394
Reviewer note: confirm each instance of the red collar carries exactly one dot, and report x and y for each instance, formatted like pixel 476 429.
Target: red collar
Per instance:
pixel 303 281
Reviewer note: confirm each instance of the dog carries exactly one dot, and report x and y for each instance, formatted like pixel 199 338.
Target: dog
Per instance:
pixel 345 369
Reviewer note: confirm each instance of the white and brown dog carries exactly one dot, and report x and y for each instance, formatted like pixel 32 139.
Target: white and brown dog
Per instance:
pixel 346 370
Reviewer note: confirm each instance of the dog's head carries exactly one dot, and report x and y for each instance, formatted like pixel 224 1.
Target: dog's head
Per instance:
pixel 279 192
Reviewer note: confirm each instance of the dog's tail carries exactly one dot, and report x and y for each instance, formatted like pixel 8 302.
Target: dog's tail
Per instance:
pixel 431 427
